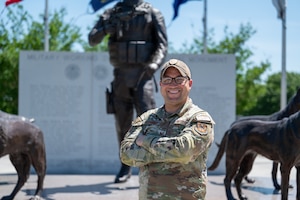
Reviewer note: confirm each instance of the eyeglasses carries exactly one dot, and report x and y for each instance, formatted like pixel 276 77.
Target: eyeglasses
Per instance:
pixel 178 80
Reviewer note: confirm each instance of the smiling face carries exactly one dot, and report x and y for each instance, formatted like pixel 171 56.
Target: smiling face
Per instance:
pixel 175 95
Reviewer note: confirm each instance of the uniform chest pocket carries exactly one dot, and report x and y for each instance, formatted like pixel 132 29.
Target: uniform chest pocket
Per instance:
pixel 175 130
pixel 151 129
pixel 167 131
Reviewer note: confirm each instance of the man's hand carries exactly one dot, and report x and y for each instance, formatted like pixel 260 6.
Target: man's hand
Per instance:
pixel 139 140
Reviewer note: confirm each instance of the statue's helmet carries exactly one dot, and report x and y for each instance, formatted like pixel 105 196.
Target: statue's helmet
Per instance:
pixel 132 2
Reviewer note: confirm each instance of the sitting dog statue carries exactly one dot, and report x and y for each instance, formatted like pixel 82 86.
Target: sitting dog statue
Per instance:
pixel 276 140
pixel 292 107
pixel 23 141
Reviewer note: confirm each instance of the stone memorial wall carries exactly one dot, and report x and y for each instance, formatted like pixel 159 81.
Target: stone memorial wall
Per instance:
pixel 65 93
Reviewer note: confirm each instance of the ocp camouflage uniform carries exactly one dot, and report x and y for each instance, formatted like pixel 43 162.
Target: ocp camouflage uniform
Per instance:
pixel 172 159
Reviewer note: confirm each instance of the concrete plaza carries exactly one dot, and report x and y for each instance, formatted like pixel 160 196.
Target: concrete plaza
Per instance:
pixel 101 186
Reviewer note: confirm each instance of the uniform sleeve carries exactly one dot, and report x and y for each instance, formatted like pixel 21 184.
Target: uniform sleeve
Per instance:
pixel 98 32
pixel 130 153
pixel 193 140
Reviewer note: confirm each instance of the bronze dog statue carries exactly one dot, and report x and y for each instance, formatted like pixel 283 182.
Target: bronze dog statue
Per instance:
pixel 292 107
pixel 276 140
pixel 24 143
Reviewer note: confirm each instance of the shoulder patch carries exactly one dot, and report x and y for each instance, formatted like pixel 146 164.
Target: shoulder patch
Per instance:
pixel 201 128
pixel 203 118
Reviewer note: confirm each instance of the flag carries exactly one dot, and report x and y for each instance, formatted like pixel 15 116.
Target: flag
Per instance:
pixel 280 7
pixel 97 4
pixel 8 2
pixel 176 5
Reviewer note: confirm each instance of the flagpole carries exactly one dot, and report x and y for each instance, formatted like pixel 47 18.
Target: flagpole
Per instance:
pixel 46 42
pixel 204 27
pixel 280 6
pixel 283 70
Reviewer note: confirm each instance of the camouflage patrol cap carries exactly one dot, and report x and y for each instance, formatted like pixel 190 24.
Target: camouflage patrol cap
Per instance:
pixel 179 65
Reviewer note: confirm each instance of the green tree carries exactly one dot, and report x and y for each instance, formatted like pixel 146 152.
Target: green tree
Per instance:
pixel 18 31
pixel 270 101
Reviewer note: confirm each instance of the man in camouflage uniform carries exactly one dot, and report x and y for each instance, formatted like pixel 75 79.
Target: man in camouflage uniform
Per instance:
pixel 170 144
pixel 137 47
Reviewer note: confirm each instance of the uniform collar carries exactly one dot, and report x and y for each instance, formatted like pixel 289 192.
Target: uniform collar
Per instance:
pixel 180 112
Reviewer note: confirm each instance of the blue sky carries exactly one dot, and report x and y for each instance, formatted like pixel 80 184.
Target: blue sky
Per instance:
pixel 261 14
